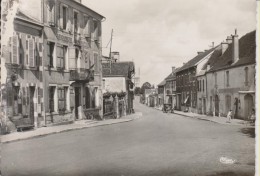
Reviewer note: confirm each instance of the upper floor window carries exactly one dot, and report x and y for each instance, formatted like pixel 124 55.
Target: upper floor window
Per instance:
pixel 61 56
pixel 63 17
pixel 51 13
pixel 227 78
pixel 86 26
pixel 76 21
pixel 203 85
pixel 246 76
pixel 50 53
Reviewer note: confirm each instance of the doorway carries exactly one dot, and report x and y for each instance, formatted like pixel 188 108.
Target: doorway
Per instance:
pixel 31 104
pixel 204 106
pixel 77 101
pixel 249 104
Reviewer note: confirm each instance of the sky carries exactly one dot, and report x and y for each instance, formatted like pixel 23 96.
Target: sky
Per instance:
pixel 160 34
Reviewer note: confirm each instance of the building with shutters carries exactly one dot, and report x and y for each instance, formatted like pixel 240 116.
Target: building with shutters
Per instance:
pixel 22 67
pixel 186 82
pixel 231 77
pixel 73 45
pixel 52 65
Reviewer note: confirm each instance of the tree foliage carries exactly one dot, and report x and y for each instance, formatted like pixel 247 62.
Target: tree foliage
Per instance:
pixel 145 85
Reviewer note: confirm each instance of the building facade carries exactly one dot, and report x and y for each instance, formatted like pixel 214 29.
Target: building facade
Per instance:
pixel 170 89
pixel 186 83
pixel 52 66
pixel 72 78
pixel 231 79
pixel 118 79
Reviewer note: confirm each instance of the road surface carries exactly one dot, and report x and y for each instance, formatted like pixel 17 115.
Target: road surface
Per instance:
pixel 155 144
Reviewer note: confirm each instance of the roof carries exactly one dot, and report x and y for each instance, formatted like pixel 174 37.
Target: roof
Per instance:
pixel 247 53
pixel 193 62
pixel 21 15
pixel 172 75
pixel 162 83
pixel 117 69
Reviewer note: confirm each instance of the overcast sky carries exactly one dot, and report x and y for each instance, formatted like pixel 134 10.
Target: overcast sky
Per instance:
pixel 159 34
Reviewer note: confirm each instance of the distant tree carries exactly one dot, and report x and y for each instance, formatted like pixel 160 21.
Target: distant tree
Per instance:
pixel 145 85
pixel 137 90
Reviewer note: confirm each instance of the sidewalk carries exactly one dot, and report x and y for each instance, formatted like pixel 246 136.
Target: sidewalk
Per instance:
pixel 220 120
pixel 43 131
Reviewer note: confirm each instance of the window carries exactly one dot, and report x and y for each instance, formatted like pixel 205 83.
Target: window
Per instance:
pixel 50 12
pixel 246 76
pixel 51 98
pixel 64 15
pixel 50 52
pixel 62 99
pixel 15 50
pixel 61 55
pixel 95 29
pixel 75 22
pixel 86 26
pixel 77 57
pixel 227 79
pixel 203 85
pixel 31 52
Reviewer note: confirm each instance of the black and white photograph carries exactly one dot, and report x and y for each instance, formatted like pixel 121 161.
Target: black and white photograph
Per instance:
pixel 129 88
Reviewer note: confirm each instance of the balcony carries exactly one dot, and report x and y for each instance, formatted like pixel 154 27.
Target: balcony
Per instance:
pixel 82 74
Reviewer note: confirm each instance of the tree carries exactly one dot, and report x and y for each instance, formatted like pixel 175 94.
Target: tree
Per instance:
pixel 145 85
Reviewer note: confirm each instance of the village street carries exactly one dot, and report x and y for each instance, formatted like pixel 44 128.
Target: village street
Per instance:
pixel 155 144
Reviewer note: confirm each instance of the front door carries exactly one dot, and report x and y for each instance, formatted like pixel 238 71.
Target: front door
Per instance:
pixel 204 106
pixel 31 104
pixel 77 101
pixel 249 105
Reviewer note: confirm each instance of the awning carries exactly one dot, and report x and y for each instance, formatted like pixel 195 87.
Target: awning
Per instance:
pixel 186 99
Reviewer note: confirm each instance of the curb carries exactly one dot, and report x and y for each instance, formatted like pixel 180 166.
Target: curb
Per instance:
pixel 70 129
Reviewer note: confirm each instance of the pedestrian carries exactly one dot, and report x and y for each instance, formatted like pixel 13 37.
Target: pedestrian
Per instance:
pixel 229 116
pixel 252 116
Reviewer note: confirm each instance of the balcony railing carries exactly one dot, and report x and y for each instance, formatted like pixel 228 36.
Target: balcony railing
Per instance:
pixel 81 75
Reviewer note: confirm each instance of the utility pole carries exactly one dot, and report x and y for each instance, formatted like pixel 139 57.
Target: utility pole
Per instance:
pixel 111 39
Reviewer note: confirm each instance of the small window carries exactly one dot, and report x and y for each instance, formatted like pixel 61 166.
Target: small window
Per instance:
pixel 227 78
pixel 246 76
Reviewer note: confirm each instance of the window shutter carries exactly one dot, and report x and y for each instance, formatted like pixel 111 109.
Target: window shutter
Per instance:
pixel 68 19
pixel 72 59
pixel 99 30
pixel 31 53
pixel 72 97
pixel 61 16
pixel 96 62
pixel 86 60
pixel 15 50
pixel 58 56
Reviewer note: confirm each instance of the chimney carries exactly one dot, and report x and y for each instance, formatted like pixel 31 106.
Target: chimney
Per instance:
pixel 229 39
pixel 173 69
pixel 235 47
pixel 224 46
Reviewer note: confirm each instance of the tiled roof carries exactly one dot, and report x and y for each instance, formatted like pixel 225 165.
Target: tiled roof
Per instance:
pixel 172 75
pixel 162 83
pixel 247 53
pixel 213 58
pixel 193 62
pixel 117 69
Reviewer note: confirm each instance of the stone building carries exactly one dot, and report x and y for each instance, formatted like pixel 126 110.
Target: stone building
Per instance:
pixel 118 79
pixel 186 84
pixel 52 66
pixel 170 88
pixel 231 77
pixel 73 45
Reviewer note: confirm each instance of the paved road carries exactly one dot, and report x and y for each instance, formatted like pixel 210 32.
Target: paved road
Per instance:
pixel 156 144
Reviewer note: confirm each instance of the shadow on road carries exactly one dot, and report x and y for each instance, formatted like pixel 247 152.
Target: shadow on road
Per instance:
pixel 250 132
